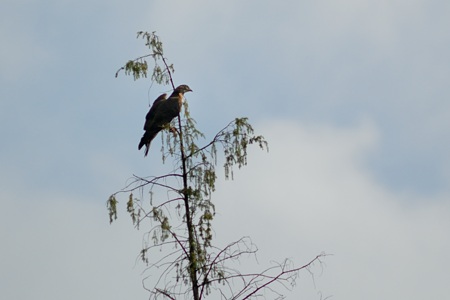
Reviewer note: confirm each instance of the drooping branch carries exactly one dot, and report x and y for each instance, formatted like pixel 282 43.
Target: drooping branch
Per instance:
pixel 137 66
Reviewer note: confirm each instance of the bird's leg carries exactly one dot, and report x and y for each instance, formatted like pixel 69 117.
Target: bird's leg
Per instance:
pixel 174 130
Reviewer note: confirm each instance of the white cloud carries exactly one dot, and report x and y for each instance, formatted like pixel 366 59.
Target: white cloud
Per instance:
pixel 312 193
pixel 61 247
pixel 315 60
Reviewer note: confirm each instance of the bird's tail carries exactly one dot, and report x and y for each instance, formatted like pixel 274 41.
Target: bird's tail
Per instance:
pixel 146 140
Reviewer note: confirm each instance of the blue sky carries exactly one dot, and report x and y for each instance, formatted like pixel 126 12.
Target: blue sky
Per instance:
pixel 351 95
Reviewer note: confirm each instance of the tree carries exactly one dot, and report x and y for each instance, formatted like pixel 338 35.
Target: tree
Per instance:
pixel 188 264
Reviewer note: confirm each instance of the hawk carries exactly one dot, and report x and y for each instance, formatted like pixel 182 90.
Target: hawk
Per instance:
pixel 161 113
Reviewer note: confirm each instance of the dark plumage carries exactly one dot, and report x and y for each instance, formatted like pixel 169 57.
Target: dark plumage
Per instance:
pixel 161 113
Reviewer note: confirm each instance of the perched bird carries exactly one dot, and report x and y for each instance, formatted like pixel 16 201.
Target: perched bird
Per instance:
pixel 161 113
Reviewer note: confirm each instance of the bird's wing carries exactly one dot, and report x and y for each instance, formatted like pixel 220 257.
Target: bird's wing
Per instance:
pixel 149 118
pixel 168 110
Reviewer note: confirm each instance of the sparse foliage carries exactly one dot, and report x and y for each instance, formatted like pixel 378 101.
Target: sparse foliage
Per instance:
pixel 138 67
pixel 178 246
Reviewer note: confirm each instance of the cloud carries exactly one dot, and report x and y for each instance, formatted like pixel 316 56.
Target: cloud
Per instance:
pixel 361 170
pixel 313 192
pixel 56 246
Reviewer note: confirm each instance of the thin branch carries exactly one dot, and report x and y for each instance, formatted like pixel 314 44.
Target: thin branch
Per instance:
pixel 164 293
pixel 136 59
pixel 169 201
pixel 146 181
pixel 214 140
pixel 176 238
pixel 283 272
pixel 168 70
pixel 154 182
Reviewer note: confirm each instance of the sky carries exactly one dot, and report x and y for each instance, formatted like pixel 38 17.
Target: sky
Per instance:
pixel 352 97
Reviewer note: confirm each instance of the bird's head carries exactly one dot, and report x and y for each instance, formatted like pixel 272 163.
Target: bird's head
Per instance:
pixel 183 89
